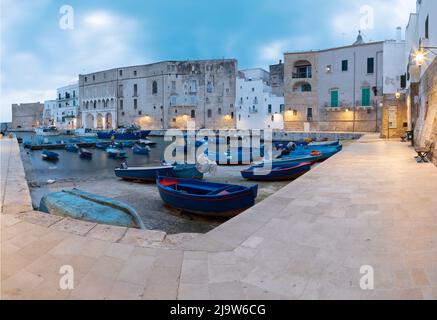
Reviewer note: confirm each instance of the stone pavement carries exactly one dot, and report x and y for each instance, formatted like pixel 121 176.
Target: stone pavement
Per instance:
pixel 371 204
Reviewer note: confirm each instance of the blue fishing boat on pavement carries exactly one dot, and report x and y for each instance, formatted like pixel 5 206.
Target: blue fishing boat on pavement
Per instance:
pixel 278 172
pixel 86 206
pixel 71 147
pixel 49 155
pixel 85 154
pixel 187 171
pixel 144 150
pixel 145 174
pixel 206 198
pixel 116 153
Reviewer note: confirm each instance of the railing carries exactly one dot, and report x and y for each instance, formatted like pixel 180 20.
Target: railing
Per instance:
pixel 302 74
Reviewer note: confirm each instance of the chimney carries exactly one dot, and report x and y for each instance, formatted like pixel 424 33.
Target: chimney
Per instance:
pixel 280 61
pixel 398 34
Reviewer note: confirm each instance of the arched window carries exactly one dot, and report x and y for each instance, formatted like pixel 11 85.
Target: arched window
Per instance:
pixel 154 87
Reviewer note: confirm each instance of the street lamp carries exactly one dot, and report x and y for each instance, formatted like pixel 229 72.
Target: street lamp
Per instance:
pixel 398 95
pixel 420 55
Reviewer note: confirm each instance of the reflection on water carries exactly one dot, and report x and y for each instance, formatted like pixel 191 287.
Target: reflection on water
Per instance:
pixel 71 166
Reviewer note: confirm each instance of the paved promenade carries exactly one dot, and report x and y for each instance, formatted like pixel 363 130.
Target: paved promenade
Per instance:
pixel 371 204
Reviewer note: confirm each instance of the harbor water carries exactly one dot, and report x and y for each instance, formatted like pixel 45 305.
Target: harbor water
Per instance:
pixel 97 176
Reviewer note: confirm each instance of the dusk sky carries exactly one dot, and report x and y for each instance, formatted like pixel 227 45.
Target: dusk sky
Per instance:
pixel 37 56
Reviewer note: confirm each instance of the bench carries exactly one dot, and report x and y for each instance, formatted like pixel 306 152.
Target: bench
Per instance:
pixel 423 152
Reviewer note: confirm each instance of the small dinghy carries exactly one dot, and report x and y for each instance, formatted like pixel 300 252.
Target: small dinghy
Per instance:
pixel 116 153
pixel 86 206
pixel 85 154
pixel 206 198
pixel 127 144
pixel 277 172
pixel 71 147
pixel 146 174
pixel 49 155
pixel 144 150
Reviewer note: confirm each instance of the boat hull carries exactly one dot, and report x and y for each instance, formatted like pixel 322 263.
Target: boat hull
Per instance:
pixel 144 174
pixel 137 135
pixel 49 156
pixel 277 173
pixel 187 171
pixel 90 207
pixel 224 204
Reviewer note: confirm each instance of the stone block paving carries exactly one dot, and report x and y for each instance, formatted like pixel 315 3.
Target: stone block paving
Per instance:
pixel 370 205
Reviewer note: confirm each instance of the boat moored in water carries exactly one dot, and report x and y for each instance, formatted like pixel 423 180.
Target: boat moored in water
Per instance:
pixel 71 147
pixel 86 206
pixel 206 198
pixel 85 154
pixel 131 133
pixel 277 172
pixel 116 153
pixel 47 131
pixel 49 155
pixel 144 150
pixel 85 132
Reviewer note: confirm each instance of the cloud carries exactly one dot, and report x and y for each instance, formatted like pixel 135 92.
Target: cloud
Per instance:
pixel 274 51
pixel 385 15
pixel 100 39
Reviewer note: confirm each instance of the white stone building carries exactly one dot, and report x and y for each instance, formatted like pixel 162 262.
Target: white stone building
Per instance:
pixel 161 95
pixel 257 107
pixel 66 114
pixel 50 110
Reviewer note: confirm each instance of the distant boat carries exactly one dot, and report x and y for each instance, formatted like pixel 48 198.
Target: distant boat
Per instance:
pixel 85 132
pixel 102 145
pixel 187 171
pixel 116 153
pixel 127 144
pixel 85 154
pixel 137 149
pixel 146 174
pixel 277 172
pixel 131 133
pixel 71 147
pixel 49 155
pixel 47 131
pixel 90 207
pixel 206 198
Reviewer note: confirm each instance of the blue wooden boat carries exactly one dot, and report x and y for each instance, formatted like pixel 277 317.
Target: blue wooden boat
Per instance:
pixel 49 155
pixel 127 144
pixel 187 171
pixel 325 143
pixel 145 174
pixel 137 149
pixel 206 198
pixel 85 154
pixel 86 206
pixel 146 142
pixel 124 134
pixel 71 147
pixel 116 153
pixel 102 145
pixel 278 172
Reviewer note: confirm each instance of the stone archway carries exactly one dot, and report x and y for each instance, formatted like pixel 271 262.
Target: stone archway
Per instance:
pixel 100 124
pixel 89 121
pixel 108 120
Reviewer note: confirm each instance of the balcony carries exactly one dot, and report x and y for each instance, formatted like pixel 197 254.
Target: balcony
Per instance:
pixel 307 74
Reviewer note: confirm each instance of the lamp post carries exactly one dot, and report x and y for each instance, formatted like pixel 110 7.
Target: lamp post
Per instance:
pixel 420 54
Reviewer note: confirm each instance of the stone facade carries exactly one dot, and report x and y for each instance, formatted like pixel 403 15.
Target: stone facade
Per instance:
pixel 27 115
pixel 351 72
pixel 67 111
pixel 277 78
pixel 395 119
pixel 161 95
pixel 426 126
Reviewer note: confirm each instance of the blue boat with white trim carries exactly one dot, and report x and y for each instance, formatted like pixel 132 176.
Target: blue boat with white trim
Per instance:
pixel 206 198
pixel 144 174
pixel 278 172
pixel 49 155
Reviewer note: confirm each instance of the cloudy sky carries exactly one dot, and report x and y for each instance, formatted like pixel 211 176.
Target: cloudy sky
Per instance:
pixel 37 55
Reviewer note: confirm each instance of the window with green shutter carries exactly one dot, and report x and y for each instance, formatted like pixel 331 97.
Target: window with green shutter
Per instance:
pixel 269 109
pixel 370 65
pixel 365 97
pixel 334 98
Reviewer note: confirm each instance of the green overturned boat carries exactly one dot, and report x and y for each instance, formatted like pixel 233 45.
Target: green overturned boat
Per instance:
pixel 86 206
